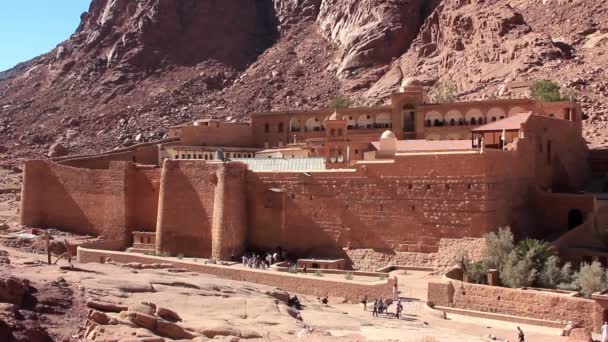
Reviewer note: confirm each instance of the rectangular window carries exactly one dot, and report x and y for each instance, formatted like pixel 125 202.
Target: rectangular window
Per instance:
pixel 549 152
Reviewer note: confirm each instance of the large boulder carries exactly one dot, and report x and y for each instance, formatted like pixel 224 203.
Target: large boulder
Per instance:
pixel 57 150
pixel 167 314
pixel 580 335
pixel 13 290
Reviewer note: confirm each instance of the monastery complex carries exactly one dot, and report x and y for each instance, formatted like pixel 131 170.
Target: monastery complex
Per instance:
pixel 406 184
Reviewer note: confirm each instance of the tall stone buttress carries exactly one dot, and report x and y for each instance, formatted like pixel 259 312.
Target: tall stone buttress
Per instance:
pixel 229 227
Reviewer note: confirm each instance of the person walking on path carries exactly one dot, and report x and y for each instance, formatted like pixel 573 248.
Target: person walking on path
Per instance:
pixel 399 309
pixel 375 309
pixel 521 337
pixel 364 302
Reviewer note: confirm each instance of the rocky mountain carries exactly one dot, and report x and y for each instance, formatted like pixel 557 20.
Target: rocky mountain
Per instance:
pixel 133 68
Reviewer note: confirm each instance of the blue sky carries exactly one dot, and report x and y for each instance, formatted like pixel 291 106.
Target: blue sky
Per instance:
pixel 29 28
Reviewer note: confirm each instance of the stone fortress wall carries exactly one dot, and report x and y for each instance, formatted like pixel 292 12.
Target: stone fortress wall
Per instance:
pixel 378 213
pixel 401 209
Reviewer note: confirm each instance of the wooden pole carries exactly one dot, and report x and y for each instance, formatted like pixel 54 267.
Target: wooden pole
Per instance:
pixel 48 246
pixel 69 253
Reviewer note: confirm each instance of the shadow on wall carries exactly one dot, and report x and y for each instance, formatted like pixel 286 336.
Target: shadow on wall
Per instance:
pixel 144 198
pixel 311 220
pixel 186 217
pixel 72 201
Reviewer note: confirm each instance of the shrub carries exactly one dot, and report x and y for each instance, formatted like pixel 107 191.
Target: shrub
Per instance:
pixel 293 269
pixel 546 90
pixel 477 272
pixel 180 256
pixel 318 273
pixel 348 276
pixel 590 278
pixel 552 276
pixel 518 272
pixel 444 92
pixel 342 102
pixel 383 276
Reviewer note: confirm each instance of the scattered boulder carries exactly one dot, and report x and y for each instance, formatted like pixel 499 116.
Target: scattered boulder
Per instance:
pixel 142 320
pixel 167 314
pixel 105 306
pixel 4 226
pixel 278 295
pixel 172 330
pixel 144 308
pixel 13 290
pixel 57 150
pixel 98 317
pixel 580 335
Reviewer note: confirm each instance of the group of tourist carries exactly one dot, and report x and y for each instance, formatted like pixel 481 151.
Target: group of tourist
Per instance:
pixel 381 306
pixel 261 261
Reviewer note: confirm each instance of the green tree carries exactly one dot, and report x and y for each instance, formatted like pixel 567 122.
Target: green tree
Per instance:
pixel 444 92
pixel 536 250
pixel 498 247
pixel 546 91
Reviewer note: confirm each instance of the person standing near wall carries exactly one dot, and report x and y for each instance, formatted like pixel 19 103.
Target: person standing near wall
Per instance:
pixel 604 331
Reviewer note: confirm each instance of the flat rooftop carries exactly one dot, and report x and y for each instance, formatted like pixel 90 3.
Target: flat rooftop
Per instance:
pixel 421 145
pixel 283 164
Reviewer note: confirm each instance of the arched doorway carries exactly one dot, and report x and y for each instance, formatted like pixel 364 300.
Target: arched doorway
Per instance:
pixel 575 218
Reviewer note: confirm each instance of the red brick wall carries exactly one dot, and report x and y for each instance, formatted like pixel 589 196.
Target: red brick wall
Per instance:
pixel 186 207
pixel 451 196
pixel 142 154
pixel 145 195
pixel 68 198
pixel 216 134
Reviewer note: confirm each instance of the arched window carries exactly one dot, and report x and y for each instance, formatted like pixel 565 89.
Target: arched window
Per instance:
pixel 281 127
pixel 428 123
pixel 473 121
pixel 452 122
pixel 438 122
pixel 266 128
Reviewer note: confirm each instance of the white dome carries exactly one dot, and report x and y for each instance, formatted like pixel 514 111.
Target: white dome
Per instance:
pixel 388 135
pixel 411 82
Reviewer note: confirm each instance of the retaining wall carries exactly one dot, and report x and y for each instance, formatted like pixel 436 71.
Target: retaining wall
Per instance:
pixel 534 304
pixel 351 291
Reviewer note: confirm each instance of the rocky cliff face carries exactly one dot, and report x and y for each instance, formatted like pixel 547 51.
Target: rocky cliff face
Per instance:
pixel 133 68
